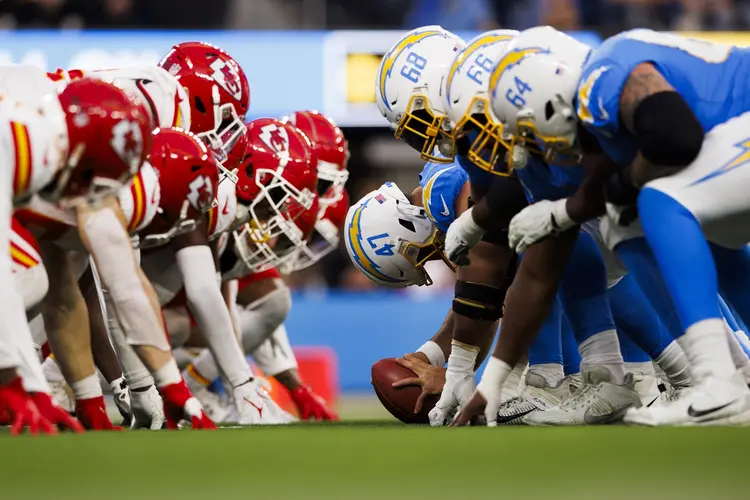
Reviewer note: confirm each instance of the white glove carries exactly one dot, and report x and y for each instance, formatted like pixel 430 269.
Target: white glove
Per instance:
pixel 148 409
pixel 537 221
pixel 459 384
pixel 491 385
pixel 462 235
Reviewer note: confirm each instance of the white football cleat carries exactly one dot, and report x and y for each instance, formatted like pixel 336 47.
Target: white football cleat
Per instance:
pixel 255 406
pixel 212 403
pixel 597 401
pixel 711 401
pixel 148 409
pixel 645 385
pixel 537 395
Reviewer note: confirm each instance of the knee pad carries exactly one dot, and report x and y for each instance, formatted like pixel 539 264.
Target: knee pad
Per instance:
pixel 479 301
pixel 32 284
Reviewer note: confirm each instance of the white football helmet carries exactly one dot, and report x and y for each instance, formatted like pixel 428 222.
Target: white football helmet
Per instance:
pixel 467 99
pixel 408 85
pixel 533 89
pixel 389 239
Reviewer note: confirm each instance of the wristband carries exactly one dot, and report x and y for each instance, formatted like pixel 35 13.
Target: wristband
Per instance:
pixel 434 353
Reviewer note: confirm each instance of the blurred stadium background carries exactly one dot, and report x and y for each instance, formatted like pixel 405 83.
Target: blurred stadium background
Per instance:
pixel 324 54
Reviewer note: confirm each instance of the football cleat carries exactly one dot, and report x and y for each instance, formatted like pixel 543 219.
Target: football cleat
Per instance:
pixel 212 403
pixel 537 395
pixel 597 401
pixel 254 406
pixel 711 401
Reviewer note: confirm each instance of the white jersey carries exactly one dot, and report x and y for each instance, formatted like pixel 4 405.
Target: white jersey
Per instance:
pixel 139 201
pixel 33 145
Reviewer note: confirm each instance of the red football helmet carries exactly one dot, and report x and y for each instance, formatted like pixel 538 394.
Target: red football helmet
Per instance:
pixel 218 91
pixel 331 149
pixel 259 252
pixel 325 235
pixel 189 178
pixel 276 179
pixel 109 135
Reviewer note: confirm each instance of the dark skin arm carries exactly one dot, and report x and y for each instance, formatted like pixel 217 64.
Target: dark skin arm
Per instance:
pixel 645 80
pixel 528 303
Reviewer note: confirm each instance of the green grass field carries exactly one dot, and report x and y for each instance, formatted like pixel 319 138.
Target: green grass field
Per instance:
pixel 380 460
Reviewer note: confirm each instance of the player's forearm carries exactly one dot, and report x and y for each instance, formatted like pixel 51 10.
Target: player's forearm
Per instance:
pixel 532 294
pixel 588 201
pixel 503 201
pixel 211 313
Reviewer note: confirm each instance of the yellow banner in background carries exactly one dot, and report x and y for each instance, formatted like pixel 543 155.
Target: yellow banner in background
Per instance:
pixel 361 73
pixel 738 38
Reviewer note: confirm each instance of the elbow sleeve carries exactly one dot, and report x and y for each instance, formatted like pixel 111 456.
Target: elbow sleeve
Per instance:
pixel 667 131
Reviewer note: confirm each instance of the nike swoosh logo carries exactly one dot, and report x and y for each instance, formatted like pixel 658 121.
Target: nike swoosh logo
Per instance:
pixel 652 402
pixel 260 409
pixel 225 210
pixel 445 212
pixel 506 419
pixel 702 413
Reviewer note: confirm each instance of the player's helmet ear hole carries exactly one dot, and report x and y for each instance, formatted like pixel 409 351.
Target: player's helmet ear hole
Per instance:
pixel 549 110
pixel 407 224
pixel 199 104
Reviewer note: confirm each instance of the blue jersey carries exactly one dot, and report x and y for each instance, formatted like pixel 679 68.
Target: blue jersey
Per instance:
pixel 712 78
pixel 441 186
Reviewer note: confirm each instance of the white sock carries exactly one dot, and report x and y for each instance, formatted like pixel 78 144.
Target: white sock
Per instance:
pixel 739 357
pixel 705 345
pixel 603 349
pixel 203 369
pixel 552 372
pixel 512 386
pixel 168 374
pixel 52 370
pixel 674 365
pixel 87 388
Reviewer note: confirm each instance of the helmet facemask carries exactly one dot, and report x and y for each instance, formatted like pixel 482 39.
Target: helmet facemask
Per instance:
pixel 423 129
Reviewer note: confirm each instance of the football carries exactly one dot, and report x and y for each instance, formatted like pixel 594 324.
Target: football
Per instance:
pixel 400 402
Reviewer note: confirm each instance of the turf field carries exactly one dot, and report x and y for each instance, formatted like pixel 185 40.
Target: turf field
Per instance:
pixel 380 460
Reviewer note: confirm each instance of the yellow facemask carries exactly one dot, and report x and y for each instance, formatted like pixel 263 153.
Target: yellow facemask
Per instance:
pixel 422 130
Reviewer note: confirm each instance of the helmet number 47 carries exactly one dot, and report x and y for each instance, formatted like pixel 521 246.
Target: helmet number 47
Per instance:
pixel 384 251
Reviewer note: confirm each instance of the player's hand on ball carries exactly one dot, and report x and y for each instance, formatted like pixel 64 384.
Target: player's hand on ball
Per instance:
pixel 536 222
pixel 430 378
pixel 462 235
pixel 459 385
pixel 473 408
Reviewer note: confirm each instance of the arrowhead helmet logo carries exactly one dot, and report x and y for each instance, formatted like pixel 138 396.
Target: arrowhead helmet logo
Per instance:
pixel 277 140
pixel 225 75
